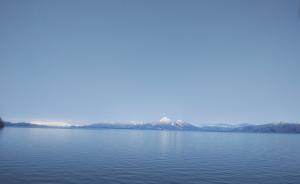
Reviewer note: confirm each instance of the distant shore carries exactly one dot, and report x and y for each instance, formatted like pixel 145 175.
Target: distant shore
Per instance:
pixel 246 128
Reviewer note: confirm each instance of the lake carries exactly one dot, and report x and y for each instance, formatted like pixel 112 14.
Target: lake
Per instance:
pixel 78 156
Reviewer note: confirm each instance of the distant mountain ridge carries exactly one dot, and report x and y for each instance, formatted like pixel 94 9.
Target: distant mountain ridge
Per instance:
pixel 148 126
pixel 167 124
pixel 280 127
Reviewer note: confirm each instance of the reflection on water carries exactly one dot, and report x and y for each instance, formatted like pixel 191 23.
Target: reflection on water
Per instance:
pixel 164 141
pixel 170 140
pixel 1 129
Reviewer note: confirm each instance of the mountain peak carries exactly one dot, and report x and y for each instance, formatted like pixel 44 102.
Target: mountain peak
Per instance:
pixel 165 120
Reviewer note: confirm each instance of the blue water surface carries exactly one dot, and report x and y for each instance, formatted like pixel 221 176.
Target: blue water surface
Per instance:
pixel 79 156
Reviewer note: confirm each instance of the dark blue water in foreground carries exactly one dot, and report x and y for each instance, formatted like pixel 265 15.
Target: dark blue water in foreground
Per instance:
pixel 35 155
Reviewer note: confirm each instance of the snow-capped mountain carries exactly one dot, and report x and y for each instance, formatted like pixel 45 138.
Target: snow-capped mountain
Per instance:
pixel 162 124
pixel 168 124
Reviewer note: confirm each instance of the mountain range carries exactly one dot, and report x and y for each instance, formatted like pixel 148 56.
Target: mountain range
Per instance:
pixel 167 124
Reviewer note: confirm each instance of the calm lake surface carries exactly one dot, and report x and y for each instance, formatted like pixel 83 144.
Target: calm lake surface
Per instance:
pixel 37 155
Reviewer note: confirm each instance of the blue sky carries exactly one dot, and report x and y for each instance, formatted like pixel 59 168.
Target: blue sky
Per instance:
pixel 200 61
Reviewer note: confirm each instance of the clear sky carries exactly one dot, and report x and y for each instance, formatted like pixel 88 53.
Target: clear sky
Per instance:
pixel 200 61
